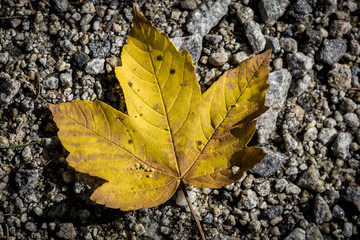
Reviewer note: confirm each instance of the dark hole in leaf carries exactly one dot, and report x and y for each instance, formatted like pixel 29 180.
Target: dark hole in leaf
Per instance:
pixel 130 84
pixel 172 71
pixel 199 142
pixel 159 58
pixel 130 141
pixel 166 129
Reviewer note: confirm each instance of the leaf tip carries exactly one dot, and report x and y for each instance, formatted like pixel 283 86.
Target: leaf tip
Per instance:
pixel 267 55
pixel 53 108
pixel 137 14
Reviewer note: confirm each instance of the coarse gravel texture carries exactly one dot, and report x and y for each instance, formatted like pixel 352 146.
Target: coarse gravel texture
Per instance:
pixel 307 187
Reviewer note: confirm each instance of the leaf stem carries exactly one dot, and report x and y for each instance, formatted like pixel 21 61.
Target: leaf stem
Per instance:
pixel 183 188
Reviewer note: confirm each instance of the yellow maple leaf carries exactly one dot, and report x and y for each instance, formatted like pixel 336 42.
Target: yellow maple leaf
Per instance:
pixel 172 134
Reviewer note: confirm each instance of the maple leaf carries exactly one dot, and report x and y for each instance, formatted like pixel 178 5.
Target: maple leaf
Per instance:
pixel 172 134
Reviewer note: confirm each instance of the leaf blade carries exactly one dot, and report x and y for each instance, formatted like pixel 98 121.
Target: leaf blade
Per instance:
pixel 229 121
pixel 163 102
pixel 102 143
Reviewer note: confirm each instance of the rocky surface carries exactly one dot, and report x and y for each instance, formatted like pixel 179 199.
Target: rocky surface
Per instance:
pixel 306 188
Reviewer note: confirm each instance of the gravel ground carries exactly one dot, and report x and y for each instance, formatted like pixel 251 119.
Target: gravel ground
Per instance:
pixel 306 188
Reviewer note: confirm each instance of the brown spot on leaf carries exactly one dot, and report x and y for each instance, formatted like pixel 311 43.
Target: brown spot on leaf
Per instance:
pixel 130 141
pixel 172 71
pixel 230 85
pixel 159 58
pixel 130 84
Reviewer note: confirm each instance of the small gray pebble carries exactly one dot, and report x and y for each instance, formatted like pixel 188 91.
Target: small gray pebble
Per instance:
pixel 255 36
pixel 218 59
pixel 338 212
pixel 88 7
pixel 296 234
pixel 4 57
pixel 263 189
pixel 100 50
pixel 341 145
pixel 30 226
pixel 61 5
pixel 27 104
pixel 299 10
pixel 352 194
pixel 66 80
pixel 299 63
pixel 270 164
pixel 273 211
pixel 332 51
pixel 139 229
pixel 8 89
pixel 313 232
pixel 86 19
pixel 4 142
pixel 81 58
pixel 310 179
pixel 348 229
pixel 188 4
pixel 327 135
pixel 38 211
pixel 348 105
pixel 206 16
pixel 339 77
pixel 51 83
pixel 338 28
pixel 289 44
pixel 311 134
pixel 272 43
pixel 248 199
pixel 271 10
pixel 27 179
pixel 321 210
pixel 292 189
pixel 66 231
pixel 245 14
pixel 281 184
pixel 26 154
pixel 351 120
pixel 330 122
pixel 208 219
pixel 95 66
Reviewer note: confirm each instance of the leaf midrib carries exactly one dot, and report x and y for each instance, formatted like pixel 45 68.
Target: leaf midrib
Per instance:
pixel 163 103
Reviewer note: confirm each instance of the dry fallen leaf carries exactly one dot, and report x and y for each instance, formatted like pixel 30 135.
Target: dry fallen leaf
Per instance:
pixel 171 133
